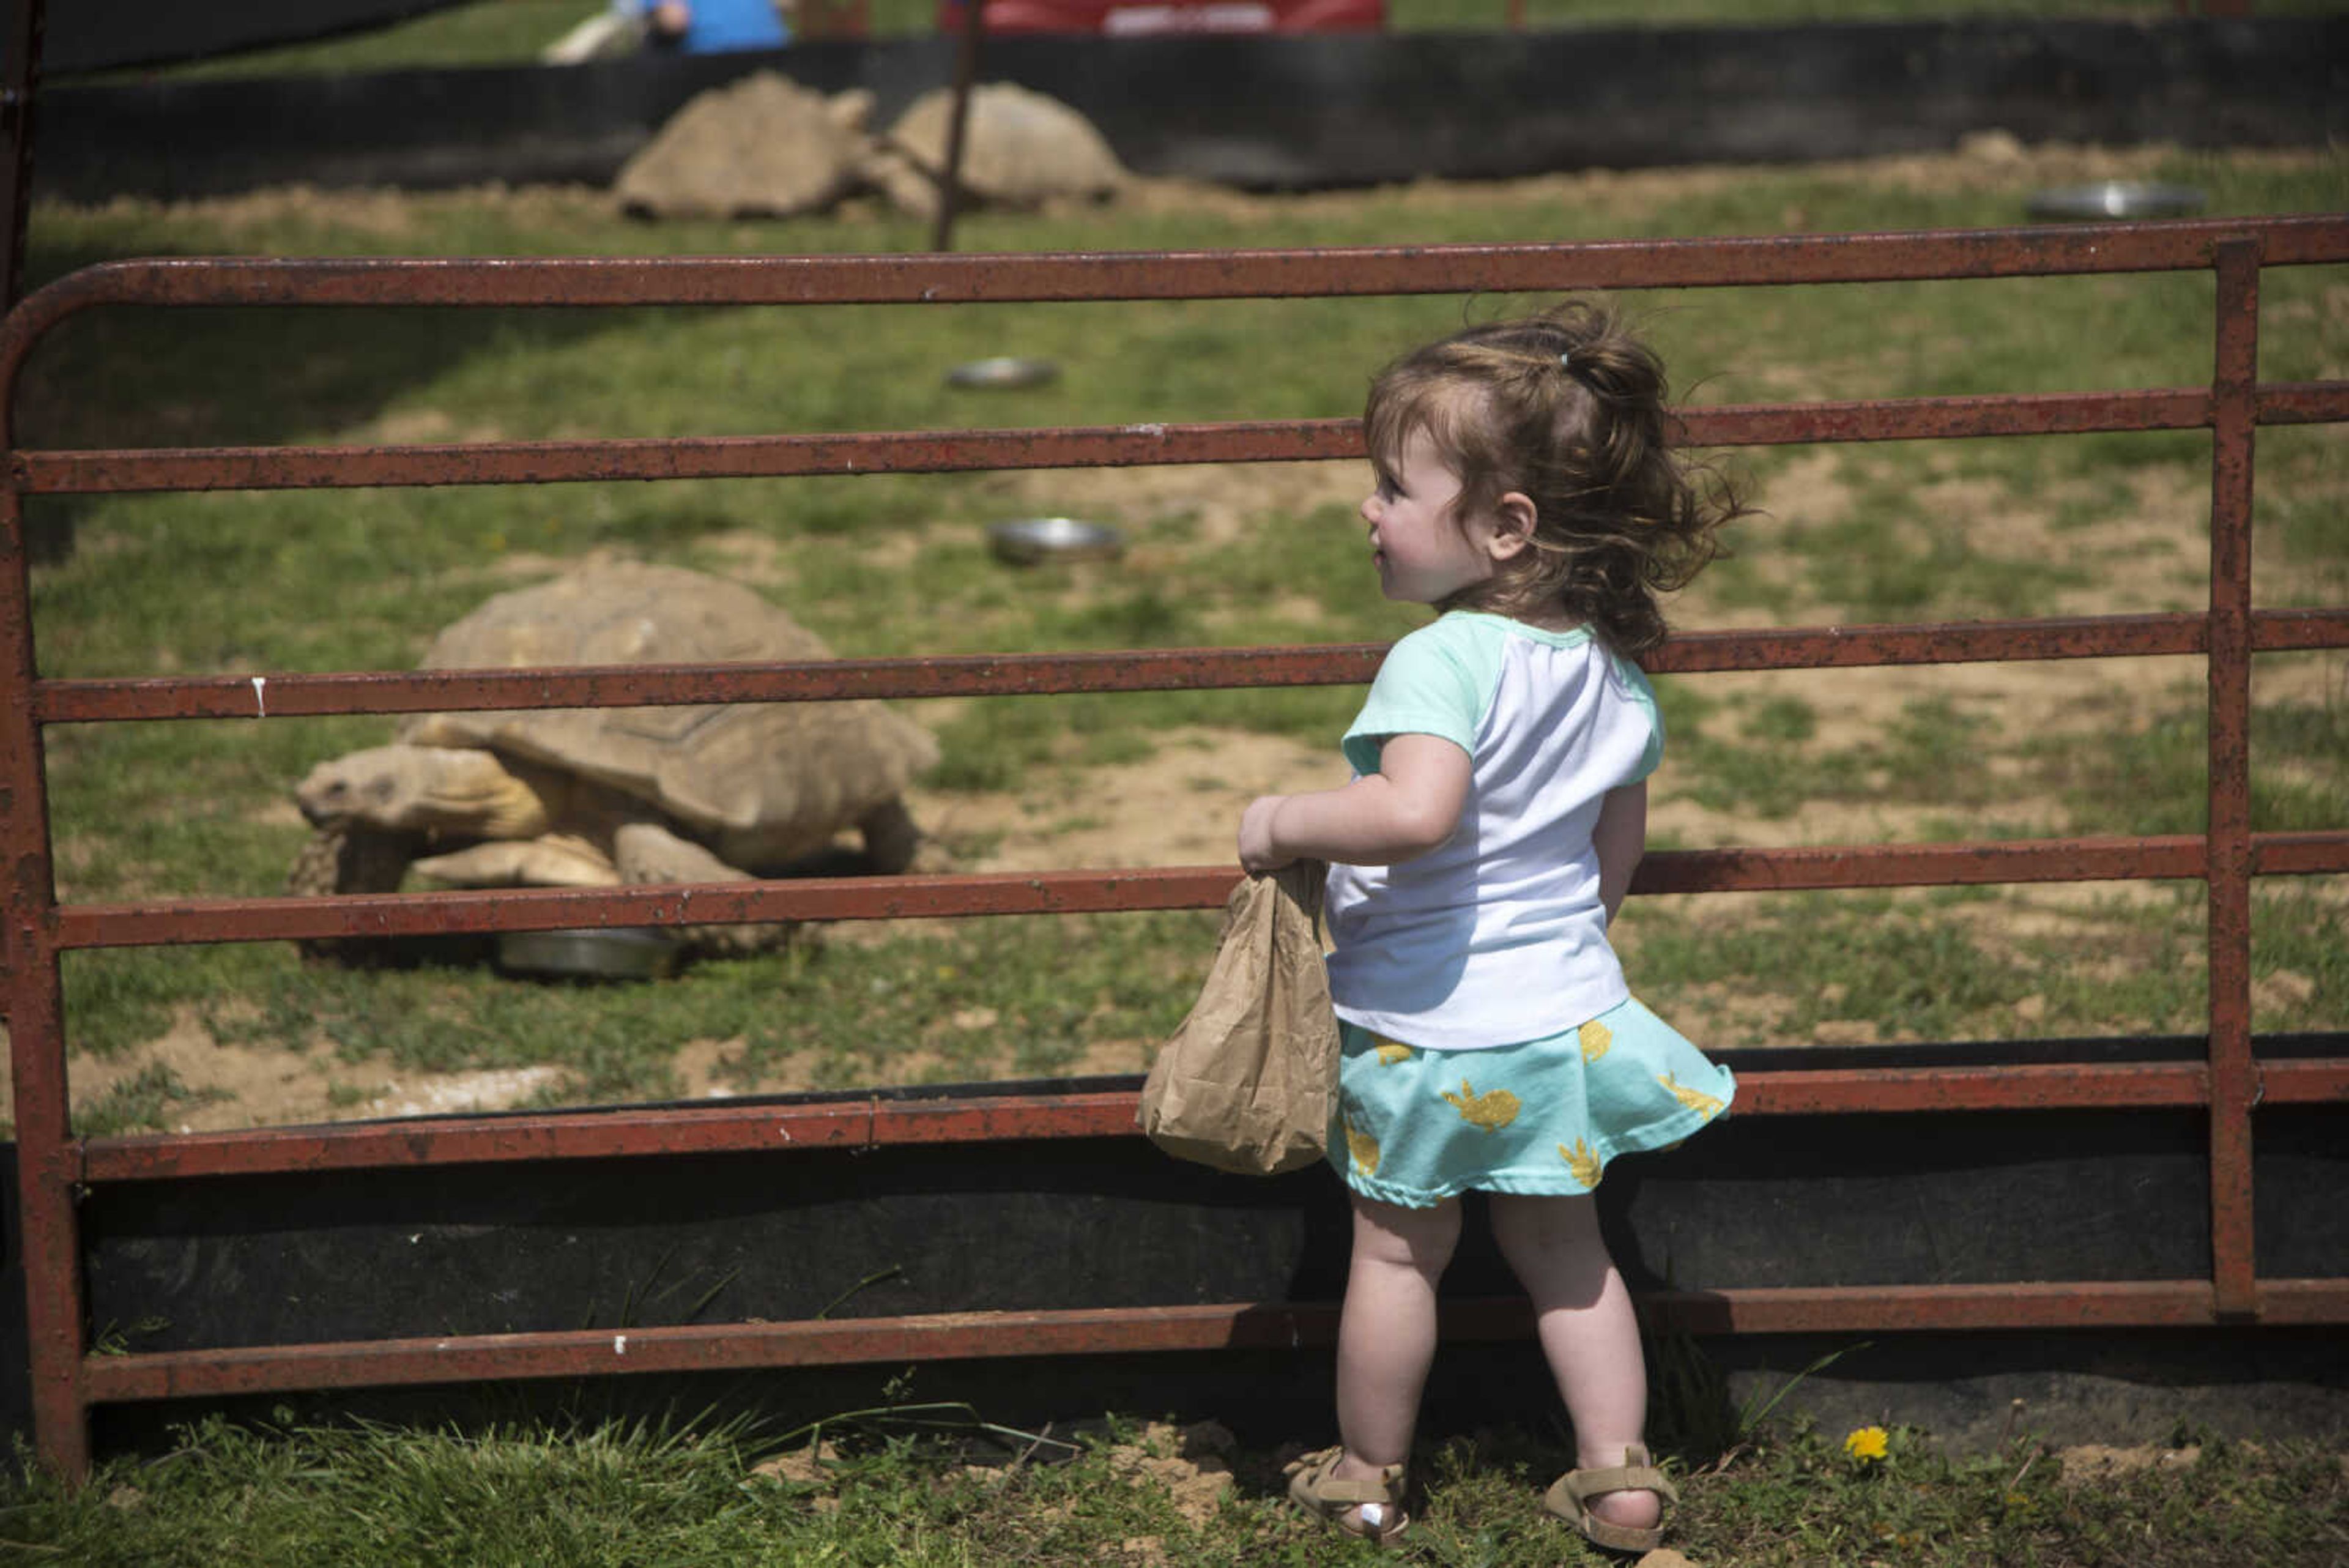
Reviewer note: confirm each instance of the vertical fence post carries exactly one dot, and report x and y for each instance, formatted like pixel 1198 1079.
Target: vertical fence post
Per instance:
pixel 47 1160
pixel 974 28
pixel 18 86
pixel 2233 1075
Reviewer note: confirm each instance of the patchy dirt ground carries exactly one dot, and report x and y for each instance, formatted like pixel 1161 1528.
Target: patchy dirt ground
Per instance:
pixel 1179 807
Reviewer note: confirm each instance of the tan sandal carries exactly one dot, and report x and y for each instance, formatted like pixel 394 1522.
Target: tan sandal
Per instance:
pixel 1372 1510
pixel 1569 1496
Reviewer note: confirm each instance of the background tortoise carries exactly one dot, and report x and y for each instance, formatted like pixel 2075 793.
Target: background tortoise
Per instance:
pixel 590 797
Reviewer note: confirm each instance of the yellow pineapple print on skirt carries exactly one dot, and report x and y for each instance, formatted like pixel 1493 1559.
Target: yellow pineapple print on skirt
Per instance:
pixel 1595 1038
pixel 1492 1111
pixel 1694 1100
pixel 1390 1053
pixel 1585 1165
pixel 1364 1148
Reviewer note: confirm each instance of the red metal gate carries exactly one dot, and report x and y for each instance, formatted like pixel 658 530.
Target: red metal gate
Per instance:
pixel 55 1166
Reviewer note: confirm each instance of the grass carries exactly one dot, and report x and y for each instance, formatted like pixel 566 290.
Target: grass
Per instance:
pixel 874 1491
pixel 1931 966
pixel 897 564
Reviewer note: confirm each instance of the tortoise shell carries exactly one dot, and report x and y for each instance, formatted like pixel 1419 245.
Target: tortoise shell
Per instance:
pixel 760 782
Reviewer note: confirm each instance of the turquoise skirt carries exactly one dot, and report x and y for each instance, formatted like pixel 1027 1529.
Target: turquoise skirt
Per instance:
pixel 1544 1117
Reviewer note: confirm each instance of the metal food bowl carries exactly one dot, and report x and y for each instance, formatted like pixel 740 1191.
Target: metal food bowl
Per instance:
pixel 1032 540
pixel 616 952
pixel 2114 199
pixel 1004 370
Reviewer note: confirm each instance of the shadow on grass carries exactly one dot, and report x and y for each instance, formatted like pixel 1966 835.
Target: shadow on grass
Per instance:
pixel 132 377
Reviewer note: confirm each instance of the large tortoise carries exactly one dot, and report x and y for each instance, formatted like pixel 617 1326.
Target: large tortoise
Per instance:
pixel 603 796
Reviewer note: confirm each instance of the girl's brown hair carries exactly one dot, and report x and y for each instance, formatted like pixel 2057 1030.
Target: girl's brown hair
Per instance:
pixel 1568 408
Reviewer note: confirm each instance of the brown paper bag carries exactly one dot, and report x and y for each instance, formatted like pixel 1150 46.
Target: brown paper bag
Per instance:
pixel 1249 1082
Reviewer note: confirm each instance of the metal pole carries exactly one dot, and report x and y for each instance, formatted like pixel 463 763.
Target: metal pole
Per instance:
pixel 2234 1081
pixel 974 28
pixel 23 42
pixel 49 1162
pixel 32 1000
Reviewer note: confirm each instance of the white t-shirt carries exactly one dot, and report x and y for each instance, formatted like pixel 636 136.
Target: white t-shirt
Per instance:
pixel 1497 935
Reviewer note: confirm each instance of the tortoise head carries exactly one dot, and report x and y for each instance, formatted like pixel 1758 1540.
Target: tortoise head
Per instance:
pixel 427 788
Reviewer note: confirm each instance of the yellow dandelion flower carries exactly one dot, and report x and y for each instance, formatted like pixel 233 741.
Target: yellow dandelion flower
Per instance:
pixel 1866 1445
pixel 1694 1100
pixel 1595 1038
pixel 1390 1053
pixel 1584 1164
pixel 1492 1112
pixel 1364 1148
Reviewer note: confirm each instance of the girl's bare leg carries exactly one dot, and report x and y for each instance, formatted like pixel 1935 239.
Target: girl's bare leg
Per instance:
pixel 1386 1334
pixel 1588 1334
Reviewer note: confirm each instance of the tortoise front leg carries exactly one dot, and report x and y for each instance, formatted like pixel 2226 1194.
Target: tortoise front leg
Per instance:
pixel 895 845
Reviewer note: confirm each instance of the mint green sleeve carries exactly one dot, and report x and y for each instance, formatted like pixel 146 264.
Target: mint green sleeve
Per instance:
pixel 1432 683
pixel 1644 696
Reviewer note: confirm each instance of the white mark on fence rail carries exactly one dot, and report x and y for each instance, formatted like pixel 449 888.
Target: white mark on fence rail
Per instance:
pixel 260 697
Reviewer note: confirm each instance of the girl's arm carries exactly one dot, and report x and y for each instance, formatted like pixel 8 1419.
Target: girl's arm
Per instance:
pixel 1620 838
pixel 1403 811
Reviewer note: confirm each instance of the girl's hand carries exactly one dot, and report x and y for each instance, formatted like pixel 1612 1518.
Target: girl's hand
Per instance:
pixel 1257 852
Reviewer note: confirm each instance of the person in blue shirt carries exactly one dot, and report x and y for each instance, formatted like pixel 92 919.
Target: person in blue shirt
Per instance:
pixel 710 26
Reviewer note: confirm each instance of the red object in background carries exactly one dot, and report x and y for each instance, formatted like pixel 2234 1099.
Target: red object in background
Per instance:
pixel 812 19
pixel 1128 18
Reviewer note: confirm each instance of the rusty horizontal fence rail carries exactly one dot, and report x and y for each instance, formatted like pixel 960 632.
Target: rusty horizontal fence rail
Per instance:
pixel 2225 1085
pixel 1114 1330
pixel 1156 669
pixel 777 456
pixel 909 1119
pixel 481 911
pixel 781 456
pixel 1106 1331
pixel 1089 277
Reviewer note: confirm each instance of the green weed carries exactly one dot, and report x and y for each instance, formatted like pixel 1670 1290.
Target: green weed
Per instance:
pixel 143 1102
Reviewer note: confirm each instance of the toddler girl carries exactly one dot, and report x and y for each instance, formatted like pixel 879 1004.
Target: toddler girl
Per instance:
pixel 1526 489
